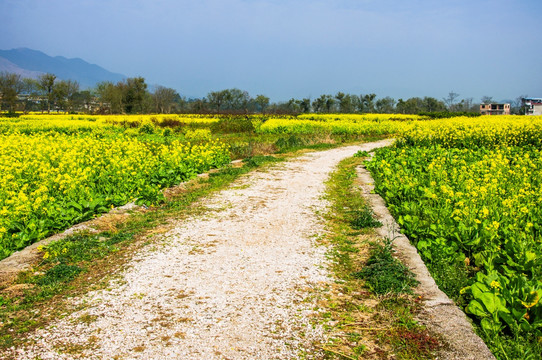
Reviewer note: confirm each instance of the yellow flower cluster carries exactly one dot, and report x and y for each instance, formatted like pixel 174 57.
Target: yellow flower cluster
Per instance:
pixel 50 180
pixel 345 126
pixel 70 124
pixel 486 131
pixel 471 189
pixel 157 118
pixel 413 129
pixel 360 117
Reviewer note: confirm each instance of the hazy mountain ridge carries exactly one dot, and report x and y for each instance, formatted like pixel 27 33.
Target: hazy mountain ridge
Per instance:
pixel 32 63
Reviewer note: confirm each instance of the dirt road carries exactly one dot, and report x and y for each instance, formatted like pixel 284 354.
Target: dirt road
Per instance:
pixel 234 283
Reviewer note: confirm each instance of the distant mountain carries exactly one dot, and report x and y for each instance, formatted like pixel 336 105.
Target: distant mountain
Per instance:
pixel 32 63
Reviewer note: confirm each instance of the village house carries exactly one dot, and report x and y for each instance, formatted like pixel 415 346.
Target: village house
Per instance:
pixel 532 106
pixel 495 109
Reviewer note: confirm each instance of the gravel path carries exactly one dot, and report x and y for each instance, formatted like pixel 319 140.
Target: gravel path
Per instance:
pixel 232 284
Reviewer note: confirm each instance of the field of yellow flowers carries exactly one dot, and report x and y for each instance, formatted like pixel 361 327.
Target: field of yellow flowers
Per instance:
pixel 468 192
pixel 61 169
pixel 56 172
pixel 341 124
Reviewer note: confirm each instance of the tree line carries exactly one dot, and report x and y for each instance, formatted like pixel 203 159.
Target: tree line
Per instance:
pixel 133 96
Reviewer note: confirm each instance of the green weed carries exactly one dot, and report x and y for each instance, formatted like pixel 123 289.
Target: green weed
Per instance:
pixel 255 161
pixel 362 218
pixel 59 273
pixel 385 274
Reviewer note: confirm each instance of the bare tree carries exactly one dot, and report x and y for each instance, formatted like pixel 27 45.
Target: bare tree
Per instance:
pixel 46 84
pixel 451 100
pixel 487 99
pixel 164 99
pixel 468 105
pixel 518 106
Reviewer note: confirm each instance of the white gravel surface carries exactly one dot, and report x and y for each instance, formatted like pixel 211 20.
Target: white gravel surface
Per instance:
pixel 234 283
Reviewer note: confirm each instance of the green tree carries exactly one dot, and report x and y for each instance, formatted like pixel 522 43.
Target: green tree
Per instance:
pixel 82 100
pixel 31 86
pixel 134 95
pixel 319 104
pixel 294 106
pixel 31 89
pixel 60 93
pixel 340 96
pixel 413 105
pixel 218 98
pixel 305 105
pixel 198 105
pixel 237 100
pixel 366 103
pixel 181 104
pixel 330 103
pixel 110 97
pixel 324 103
pixel 347 102
pixel 72 88
pixel 385 105
pixel 430 104
pixel 263 102
pixel 64 92
pixel 10 88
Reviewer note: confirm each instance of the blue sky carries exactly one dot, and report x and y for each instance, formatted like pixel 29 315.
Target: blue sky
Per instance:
pixel 296 48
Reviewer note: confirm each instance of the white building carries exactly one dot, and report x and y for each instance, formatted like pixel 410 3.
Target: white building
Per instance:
pixel 532 106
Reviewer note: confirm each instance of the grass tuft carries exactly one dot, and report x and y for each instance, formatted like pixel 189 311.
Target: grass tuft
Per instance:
pixel 59 273
pixel 385 274
pixel 363 218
